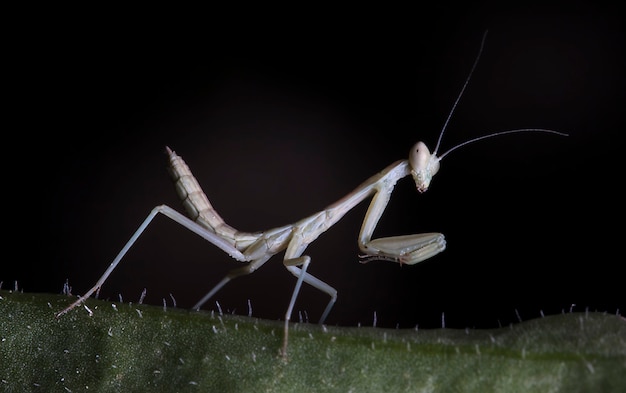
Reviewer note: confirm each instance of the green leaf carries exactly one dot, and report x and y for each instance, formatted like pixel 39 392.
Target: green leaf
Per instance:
pixel 115 347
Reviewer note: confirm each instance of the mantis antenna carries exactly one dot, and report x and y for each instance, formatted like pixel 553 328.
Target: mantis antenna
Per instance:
pixel 458 98
pixel 498 134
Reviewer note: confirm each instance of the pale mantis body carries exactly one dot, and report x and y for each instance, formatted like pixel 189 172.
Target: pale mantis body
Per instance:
pixel 256 248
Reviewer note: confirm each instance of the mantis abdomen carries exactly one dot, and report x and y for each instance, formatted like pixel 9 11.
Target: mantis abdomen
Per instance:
pixel 194 200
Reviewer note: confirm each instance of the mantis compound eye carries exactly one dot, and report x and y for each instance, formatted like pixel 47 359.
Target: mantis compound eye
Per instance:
pixel 424 165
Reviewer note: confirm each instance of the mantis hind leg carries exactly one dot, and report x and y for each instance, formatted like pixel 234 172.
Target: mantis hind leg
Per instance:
pixel 178 218
pixel 242 271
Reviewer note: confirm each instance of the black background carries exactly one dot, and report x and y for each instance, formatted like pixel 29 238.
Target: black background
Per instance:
pixel 280 112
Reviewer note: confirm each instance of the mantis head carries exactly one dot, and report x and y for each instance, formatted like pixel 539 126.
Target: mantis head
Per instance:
pixel 424 165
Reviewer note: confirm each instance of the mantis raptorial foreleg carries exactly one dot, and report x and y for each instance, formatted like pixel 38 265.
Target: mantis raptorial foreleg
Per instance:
pixel 405 249
pixel 256 248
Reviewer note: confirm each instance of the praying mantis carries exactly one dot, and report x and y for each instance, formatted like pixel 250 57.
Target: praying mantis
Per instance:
pixel 256 248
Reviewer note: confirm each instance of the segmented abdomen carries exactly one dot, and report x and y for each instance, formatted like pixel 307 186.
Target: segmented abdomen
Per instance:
pixel 194 200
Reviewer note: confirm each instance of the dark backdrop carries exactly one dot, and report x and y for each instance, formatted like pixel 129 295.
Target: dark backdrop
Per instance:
pixel 279 115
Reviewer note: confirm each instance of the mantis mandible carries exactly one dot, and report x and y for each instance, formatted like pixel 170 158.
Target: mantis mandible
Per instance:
pixel 256 248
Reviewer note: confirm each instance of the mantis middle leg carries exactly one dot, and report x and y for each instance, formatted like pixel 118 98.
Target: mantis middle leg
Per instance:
pixel 293 259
